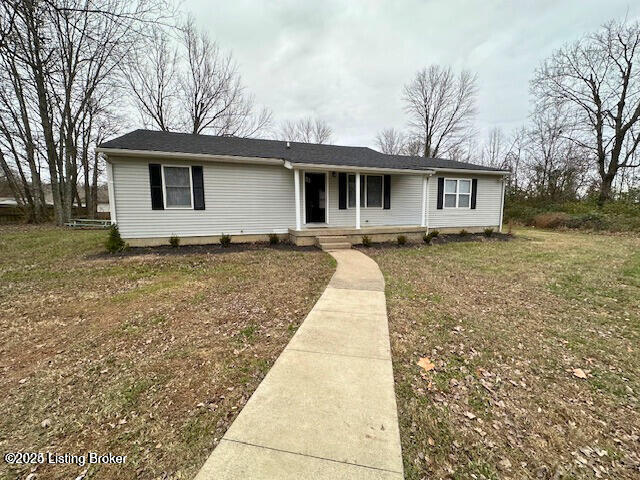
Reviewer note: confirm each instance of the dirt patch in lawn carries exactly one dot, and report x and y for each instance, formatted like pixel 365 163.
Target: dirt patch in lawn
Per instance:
pixel 535 348
pixel 149 356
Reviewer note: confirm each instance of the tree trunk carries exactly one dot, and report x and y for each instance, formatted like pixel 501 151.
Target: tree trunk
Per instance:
pixel 43 110
pixel 605 189
pixel 11 181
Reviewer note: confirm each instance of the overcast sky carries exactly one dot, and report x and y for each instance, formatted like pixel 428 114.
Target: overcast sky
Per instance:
pixel 347 61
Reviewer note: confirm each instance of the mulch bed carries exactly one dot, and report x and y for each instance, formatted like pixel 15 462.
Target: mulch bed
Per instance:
pixel 209 249
pixel 442 239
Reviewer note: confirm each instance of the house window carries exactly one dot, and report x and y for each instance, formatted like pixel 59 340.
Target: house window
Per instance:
pixel 177 187
pixel 371 190
pixel 374 191
pixel 457 193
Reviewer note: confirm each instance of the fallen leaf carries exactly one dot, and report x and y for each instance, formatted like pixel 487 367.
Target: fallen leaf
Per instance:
pixel 426 364
pixel 578 372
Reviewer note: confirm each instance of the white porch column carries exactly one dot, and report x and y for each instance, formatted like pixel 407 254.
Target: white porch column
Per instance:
pixel 358 200
pixel 296 186
pixel 423 217
pixel 426 219
pixel 503 181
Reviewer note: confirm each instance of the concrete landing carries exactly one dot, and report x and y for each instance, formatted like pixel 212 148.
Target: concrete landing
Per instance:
pixel 327 408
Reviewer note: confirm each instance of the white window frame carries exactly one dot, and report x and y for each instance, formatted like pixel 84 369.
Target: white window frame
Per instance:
pixel 164 188
pixel 365 192
pixel 457 193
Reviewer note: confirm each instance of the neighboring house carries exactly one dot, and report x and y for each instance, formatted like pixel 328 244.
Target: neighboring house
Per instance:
pixel 198 187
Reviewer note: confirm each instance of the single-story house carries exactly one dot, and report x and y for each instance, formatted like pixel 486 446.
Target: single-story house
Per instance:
pixel 199 187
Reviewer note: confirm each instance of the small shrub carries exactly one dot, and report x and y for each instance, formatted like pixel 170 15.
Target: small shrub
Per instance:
pixel 174 241
pixel 402 239
pixel 274 239
pixel 551 220
pixel 225 240
pixel 488 232
pixel 114 241
pixel 366 241
pixel 430 236
pixel 463 233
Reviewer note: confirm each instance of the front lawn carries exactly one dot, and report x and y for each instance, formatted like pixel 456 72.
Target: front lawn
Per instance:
pixel 149 356
pixel 511 328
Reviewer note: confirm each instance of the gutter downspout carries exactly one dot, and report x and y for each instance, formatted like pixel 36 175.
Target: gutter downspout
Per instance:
pixel 111 190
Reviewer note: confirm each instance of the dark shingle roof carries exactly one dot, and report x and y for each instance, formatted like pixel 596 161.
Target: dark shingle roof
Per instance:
pixel 310 153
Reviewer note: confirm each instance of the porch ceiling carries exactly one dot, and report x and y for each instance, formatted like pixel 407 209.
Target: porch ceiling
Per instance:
pixel 312 167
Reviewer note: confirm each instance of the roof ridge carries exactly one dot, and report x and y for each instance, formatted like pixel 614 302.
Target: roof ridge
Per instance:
pixel 232 137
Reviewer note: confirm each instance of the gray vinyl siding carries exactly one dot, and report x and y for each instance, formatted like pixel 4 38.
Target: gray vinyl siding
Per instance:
pixel 259 199
pixel 239 199
pixel 488 203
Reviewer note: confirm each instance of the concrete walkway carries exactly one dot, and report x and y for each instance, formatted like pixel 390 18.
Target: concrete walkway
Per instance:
pixel 327 408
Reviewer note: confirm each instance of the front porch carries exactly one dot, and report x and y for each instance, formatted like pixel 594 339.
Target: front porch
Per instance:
pixel 356 202
pixel 312 236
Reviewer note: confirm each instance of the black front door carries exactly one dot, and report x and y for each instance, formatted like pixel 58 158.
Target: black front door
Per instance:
pixel 315 197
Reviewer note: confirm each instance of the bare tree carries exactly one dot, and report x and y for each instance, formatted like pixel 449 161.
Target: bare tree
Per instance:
pixel 307 130
pixel 21 166
pixel 8 12
pixel 467 150
pixel 514 159
pixel 557 167
pixel 192 86
pixel 151 75
pixel 61 52
pixel 597 79
pixel 493 153
pixel 441 107
pixel 99 123
pixel 212 90
pixel 391 141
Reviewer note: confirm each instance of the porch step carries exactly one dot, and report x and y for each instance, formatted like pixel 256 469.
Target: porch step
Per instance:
pixel 331 238
pixel 335 246
pixel 333 242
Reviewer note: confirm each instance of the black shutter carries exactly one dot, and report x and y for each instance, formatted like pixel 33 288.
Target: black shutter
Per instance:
pixel 387 192
pixel 155 180
pixel 474 191
pixel 198 187
pixel 440 192
pixel 342 191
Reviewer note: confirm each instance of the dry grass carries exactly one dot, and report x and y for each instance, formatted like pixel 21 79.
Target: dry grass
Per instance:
pixel 146 356
pixel 551 220
pixel 505 324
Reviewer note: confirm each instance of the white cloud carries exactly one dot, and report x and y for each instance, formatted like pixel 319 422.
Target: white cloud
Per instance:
pixel 346 61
